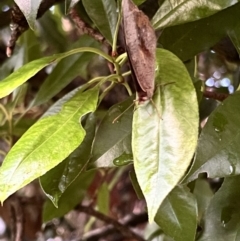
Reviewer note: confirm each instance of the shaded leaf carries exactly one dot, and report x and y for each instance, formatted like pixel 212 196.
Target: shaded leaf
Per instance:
pixel 218 152
pixel 163 147
pixel 56 39
pixel 221 220
pixel 30 9
pixel 104 14
pixel 203 193
pixel 55 182
pixel 234 34
pixel 32 48
pixel 174 12
pixel 177 216
pixel 73 196
pixel 189 39
pixel 46 143
pixel 64 72
pixel 113 140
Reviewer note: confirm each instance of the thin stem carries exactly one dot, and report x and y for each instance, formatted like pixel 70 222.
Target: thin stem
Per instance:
pixel 3 153
pixel 4 111
pixel 125 230
pixel 126 73
pixel 195 67
pixel 115 37
pixel 128 88
pixel 122 59
pixel 9 120
pixel 87 49
pixel 106 91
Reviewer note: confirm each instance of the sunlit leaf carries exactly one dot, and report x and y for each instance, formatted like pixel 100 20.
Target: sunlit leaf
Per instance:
pixel 177 216
pixel 174 12
pixel 163 146
pixel 46 143
pixel 64 72
pixel 27 71
pixel 218 152
pixel 55 182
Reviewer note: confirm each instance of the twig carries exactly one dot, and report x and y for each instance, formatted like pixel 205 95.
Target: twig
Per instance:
pixel 125 231
pixel 17 219
pixel 130 220
pixel 19 23
pixel 85 29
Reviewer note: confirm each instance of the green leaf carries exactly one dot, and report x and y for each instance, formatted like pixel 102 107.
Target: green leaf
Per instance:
pixel 113 140
pixel 138 2
pixel 218 152
pixel 104 14
pixel 55 182
pixel 64 72
pixel 73 196
pixel 221 221
pixel 27 71
pixel 46 143
pixel 189 39
pixel 177 216
pixel 32 48
pixel 163 146
pixel 30 9
pixel 203 193
pixel 103 199
pixel 234 35
pixel 51 32
pixel 174 12
pixel 135 184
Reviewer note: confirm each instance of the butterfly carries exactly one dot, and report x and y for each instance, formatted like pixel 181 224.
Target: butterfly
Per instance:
pixel 140 43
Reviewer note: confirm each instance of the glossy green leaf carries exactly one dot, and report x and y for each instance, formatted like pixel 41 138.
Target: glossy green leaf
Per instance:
pixel 203 193
pixel 46 143
pixel 104 15
pixel 163 146
pixel 221 221
pixel 103 199
pixel 218 152
pixel 55 182
pixel 113 140
pixel 73 196
pixel 30 9
pixel 27 71
pixel 174 12
pixel 177 216
pixel 189 39
pixel 64 72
